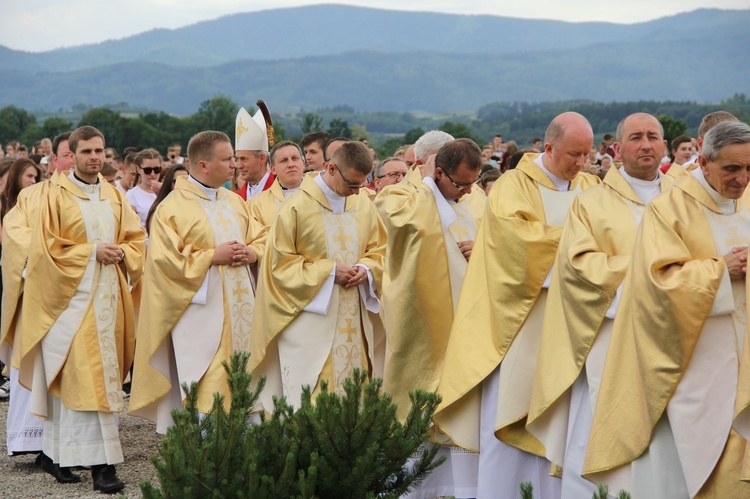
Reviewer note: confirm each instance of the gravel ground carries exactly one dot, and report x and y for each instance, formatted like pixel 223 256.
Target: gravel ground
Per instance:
pixel 20 478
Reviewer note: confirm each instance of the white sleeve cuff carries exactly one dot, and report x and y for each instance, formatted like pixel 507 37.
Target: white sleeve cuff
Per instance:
pixel 368 292
pixel 724 301
pixel 201 296
pixel 548 279
pixel 319 305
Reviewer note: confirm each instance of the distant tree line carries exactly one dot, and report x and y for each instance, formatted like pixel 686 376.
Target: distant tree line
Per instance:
pixel 519 121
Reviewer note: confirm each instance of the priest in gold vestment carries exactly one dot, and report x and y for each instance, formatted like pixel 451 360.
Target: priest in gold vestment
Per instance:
pixel 431 230
pixel 198 300
pixel 491 355
pixel 24 430
pixel 319 281
pixel 76 345
pixel 677 171
pixel 288 165
pixel 582 301
pixel 671 416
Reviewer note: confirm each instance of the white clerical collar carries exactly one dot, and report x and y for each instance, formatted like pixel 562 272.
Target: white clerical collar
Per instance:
pixel 645 189
pixel 726 205
pixel 288 192
pixel 337 202
pixel 210 192
pixel 560 183
pixel 253 189
pixel 87 188
pixel 447 215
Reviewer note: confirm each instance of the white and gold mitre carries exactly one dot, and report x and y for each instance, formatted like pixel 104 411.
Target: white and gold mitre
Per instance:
pixel 250 132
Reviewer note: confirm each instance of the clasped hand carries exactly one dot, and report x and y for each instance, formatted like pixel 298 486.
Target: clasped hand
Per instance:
pixel 234 253
pixel 349 276
pixel 109 253
pixel 737 262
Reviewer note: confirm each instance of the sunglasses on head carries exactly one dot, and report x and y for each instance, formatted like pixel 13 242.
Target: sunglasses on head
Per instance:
pixel 151 169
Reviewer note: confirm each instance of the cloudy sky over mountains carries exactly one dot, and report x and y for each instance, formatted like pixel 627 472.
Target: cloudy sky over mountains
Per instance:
pixel 38 25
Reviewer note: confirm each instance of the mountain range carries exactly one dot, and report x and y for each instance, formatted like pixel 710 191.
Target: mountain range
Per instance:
pixel 326 55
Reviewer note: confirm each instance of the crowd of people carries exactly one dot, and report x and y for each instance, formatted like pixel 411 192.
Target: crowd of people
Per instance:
pixel 581 310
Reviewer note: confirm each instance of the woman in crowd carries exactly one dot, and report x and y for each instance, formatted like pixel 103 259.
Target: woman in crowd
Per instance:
pixel 167 186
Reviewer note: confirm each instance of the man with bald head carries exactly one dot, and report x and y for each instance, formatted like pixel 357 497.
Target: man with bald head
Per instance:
pixel 593 257
pixel 491 355
pixel 671 417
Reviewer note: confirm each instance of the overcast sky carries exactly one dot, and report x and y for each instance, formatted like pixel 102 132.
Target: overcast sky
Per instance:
pixel 38 25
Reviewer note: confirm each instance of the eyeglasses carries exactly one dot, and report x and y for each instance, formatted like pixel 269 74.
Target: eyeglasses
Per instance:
pixel 151 169
pixel 393 175
pixel 456 184
pixel 348 184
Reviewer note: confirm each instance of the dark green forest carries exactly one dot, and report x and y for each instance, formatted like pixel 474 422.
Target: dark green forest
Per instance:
pixel 519 121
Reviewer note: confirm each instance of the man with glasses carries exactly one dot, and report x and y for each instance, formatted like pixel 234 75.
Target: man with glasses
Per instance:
pixel 143 195
pixel 491 356
pixel 318 283
pixel 390 171
pixel 430 237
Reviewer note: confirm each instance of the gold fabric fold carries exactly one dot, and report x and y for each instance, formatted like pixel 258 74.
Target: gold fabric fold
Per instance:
pixel 17 232
pixel 58 255
pixel 417 296
pixel 265 206
pixel 181 249
pixel 676 273
pixel 594 256
pixel 296 262
pixel 512 255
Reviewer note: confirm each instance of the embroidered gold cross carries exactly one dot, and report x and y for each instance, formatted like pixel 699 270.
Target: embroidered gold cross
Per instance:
pixel 239 291
pixel 348 330
pixel 342 238
pixel 223 222
pixel 737 239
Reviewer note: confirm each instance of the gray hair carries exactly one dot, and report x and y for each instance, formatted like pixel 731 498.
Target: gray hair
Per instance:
pixel 724 134
pixel 379 168
pixel 430 143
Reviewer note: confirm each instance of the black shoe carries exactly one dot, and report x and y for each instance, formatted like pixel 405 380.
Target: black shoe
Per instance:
pixel 105 479
pixel 62 475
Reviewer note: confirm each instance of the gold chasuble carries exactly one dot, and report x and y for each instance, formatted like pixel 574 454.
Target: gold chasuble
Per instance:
pixel 17 232
pixel 594 255
pixel 503 292
pixel 265 206
pixel 424 272
pixel 77 342
pixel 676 172
pixel 194 314
pixel 298 341
pixel 671 379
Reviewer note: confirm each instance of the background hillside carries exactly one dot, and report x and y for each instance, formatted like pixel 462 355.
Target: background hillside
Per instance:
pixel 376 60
